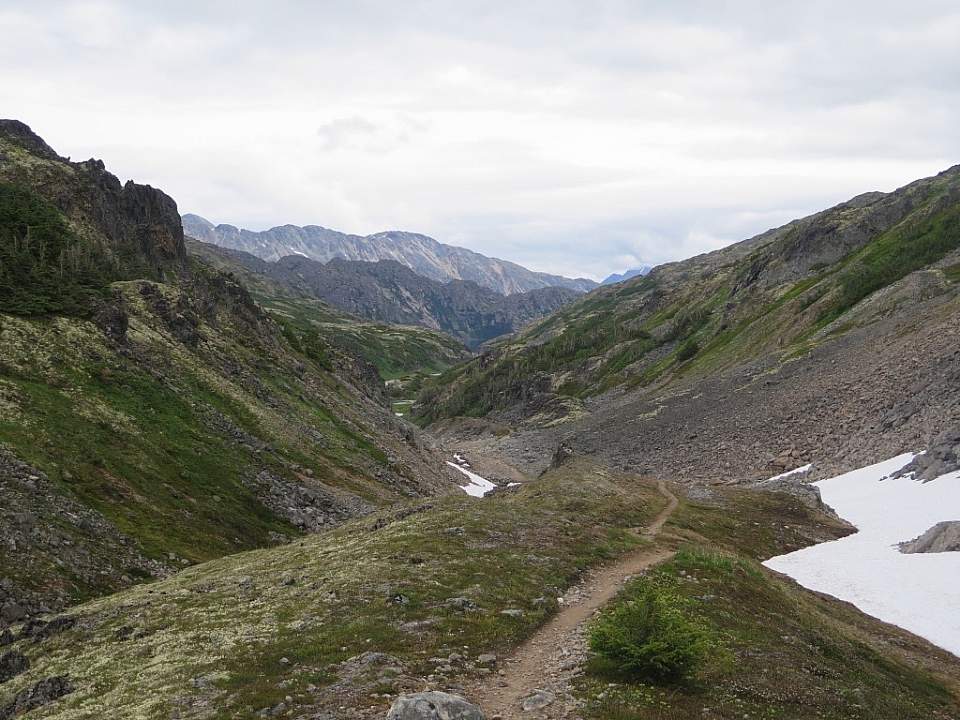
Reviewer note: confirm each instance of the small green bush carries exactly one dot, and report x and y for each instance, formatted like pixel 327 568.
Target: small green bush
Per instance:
pixel 687 351
pixel 651 636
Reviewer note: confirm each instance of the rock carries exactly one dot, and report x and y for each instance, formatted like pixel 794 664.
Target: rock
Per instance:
pixel 942 537
pixel 12 612
pixel 43 692
pixel 537 701
pixel 487 659
pixel 12 664
pixel 6 637
pixel 561 455
pixel 461 603
pixel 512 612
pixel 433 706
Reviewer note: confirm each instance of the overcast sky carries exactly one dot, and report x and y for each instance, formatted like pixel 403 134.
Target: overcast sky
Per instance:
pixel 573 137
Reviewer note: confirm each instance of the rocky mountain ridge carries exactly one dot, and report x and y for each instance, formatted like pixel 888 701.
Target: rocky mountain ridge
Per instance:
pixel 422 254
pixel 831 339
pixel 388 291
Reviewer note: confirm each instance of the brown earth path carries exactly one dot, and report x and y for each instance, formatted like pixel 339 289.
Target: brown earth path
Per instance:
pixel 549 659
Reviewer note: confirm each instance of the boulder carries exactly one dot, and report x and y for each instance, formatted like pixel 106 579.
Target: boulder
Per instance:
pixel 433 706
pixel 12 664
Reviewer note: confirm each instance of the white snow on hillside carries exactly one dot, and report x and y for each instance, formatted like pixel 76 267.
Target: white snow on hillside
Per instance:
pixel 919 592
pixel 788 473
pixel 478 486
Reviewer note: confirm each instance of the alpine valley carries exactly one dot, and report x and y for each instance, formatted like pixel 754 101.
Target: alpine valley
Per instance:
pixel 304 474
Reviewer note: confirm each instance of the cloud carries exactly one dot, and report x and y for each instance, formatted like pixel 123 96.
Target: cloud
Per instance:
pixel 567 136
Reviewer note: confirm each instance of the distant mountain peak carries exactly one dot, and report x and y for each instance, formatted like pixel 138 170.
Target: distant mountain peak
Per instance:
pixel 421 253
pixel 626 274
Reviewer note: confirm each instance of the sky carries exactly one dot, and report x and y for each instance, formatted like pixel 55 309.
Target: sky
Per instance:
pixel 580 138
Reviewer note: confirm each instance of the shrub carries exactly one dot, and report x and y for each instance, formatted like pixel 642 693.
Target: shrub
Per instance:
pixel 687 351
pixel 651 636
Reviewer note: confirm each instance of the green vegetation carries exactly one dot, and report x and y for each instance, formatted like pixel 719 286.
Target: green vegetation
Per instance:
pixel 397 351
pixel 45 267
pixel 909 246
pixel 773 650
pixel 650 634
pixel 168 442
pixel 786 653
pixel 686 321
pixel 262 625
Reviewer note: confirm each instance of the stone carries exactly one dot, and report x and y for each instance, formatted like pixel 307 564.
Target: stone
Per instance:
pixel 537 701
pixel 12 664
pixel 433 706
pixel 487 659
pixel 43 692
pixel 461 603
pixel 512 612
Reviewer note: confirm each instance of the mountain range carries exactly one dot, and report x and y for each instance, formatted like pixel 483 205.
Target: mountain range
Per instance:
pixel 387 291
pixel 420 253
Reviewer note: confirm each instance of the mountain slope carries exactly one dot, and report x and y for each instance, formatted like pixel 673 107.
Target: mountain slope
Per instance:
pixel 151 414
pixel 738 351
pixel 395 350
pixel 387 291
pixel 435 595
pixel 420 253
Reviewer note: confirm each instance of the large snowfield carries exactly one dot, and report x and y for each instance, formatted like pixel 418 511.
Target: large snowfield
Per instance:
pixel 918 592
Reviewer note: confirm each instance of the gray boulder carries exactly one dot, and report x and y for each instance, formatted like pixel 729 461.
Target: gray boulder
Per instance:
pixel 433 706
pixel 942 537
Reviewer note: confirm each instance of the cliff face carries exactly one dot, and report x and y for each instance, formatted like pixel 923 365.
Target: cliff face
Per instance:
pixel 136 226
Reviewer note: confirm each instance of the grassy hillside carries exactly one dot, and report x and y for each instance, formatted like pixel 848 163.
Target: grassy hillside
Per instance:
pixel 781 292
pixel 397 351
pixel 151 414
pixel 342 622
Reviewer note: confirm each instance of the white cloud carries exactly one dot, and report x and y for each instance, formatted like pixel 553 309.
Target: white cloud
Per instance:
pixel 570 137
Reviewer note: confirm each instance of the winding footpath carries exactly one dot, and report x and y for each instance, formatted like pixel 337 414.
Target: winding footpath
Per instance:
pixel 541 670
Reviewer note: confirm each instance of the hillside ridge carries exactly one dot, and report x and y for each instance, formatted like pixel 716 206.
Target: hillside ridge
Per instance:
pixel 421 253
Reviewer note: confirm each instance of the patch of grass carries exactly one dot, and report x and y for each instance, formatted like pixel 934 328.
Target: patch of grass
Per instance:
pixel 909 246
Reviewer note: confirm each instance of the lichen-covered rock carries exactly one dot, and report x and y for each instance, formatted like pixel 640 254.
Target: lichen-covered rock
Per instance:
pixel 12 664
pixel 45 691
pixel 433 706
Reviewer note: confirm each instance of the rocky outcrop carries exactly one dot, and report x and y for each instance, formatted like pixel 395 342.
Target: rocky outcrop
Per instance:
pixel 422 254
pixel 941 458
pixel 40 694
pixel 942 537
pixel 433 706
pixel 138 227
pixel 12 663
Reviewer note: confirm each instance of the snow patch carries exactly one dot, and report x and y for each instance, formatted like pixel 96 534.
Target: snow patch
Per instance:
pixel 795 471
pixel 478 486
pixel 918 592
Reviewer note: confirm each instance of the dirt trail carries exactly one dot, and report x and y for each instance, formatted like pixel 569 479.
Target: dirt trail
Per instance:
pixel 549 659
